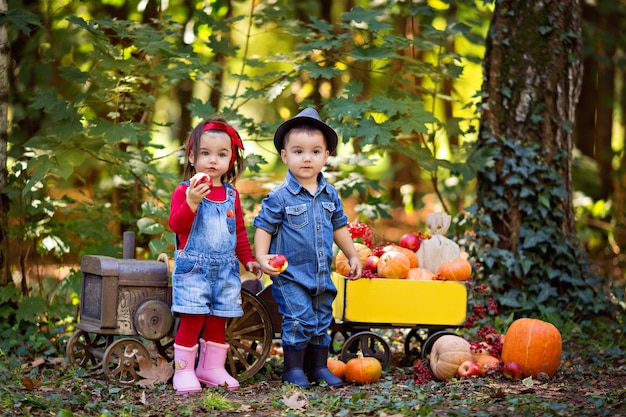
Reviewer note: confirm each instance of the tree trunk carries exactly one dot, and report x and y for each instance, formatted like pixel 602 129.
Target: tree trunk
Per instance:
pixel 5 273
pixel 532 73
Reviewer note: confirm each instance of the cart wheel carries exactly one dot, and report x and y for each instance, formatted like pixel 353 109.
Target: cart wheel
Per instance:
pixel 250 338
pixel 337 340
pixel 370 344
pixel 413 343
pixel 86 349
pixel 427 346
pixel 122 358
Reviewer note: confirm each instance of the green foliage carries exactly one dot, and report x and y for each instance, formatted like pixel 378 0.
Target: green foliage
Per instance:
pixel 549 275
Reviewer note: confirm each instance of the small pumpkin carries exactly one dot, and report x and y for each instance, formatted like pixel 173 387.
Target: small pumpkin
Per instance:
pixel 488 365
pixel 447 354
pixel 363 369
pixel 336 367
pixel 535 345
pixel 408 252
pixel 342 265
pixel 420 274
pixel 458 269
pixel 393 264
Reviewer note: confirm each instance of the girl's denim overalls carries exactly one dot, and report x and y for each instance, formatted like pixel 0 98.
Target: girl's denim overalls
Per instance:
pixel 206 271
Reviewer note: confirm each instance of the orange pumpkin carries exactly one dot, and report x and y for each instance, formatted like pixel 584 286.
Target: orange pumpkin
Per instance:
pixel 337 367
pixel 535 345
pixel 458 269
pixel 363 369
pixel 393 264
pixel 408 252
pixel 342 265
pixel 488 365
pixel 447 354
pixel 420 274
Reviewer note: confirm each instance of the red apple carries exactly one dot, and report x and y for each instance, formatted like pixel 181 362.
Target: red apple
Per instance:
pixel 279 262
pixel 410 241
pixel 371 263
pixel 512 370
pixel 200 178
pixel 468 369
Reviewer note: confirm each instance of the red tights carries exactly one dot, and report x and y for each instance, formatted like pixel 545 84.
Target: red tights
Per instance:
pixel 191 324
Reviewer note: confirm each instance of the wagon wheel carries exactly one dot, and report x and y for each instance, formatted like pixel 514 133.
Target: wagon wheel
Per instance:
pixel 86 349
pixel 413 343
pixel 121 360
pixel 370 344
pixel 337 340
pixel 249 337
pixel 427 346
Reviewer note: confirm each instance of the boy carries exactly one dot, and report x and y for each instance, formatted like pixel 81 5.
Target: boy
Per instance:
pixel 301 218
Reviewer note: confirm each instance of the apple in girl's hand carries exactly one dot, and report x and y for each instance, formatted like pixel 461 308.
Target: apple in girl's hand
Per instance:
pixel 279 262
pixel 200 178
pixel 468 369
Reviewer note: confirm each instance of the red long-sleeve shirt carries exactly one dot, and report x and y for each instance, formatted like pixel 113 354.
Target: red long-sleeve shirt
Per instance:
pixel 181 219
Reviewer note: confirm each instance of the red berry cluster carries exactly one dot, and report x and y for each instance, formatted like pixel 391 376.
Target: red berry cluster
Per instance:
pixel 366 273
pixel 361 231
pixel 491 338
pixel 480 311
pixel 422 373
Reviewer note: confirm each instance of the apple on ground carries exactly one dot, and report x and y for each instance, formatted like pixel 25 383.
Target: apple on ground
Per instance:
pixel 371 263
pixel 468 369
pixel 410 241
pixel 279 262
pixel 200 178
pixel 512 370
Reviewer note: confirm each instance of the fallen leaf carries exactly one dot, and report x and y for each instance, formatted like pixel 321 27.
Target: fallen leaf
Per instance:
pixel 151 374
pixel 295 401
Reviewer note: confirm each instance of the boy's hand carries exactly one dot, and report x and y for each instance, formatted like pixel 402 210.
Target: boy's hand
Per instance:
pixel 355 268
pixel 264 261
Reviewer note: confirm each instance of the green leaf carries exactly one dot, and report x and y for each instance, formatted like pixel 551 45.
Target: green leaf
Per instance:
pixel 148 226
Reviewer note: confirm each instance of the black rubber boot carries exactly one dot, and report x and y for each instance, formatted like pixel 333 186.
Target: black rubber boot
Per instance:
pixel 317 370
pixel 293 368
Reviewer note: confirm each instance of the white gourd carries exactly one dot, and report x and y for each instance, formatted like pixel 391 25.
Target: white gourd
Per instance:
pixel 438 249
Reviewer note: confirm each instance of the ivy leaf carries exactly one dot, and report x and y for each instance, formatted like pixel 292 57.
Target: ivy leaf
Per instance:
pixel 148 226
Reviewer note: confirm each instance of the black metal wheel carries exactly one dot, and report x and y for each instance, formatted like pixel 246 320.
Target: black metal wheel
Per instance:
pixel 427 346
pixel 86 349
pixel 122 360
pixel 370 344
pixel 250 338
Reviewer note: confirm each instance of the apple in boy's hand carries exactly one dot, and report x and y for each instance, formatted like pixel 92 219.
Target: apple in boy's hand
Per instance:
pixel 279 262
pixel 468 369
pixel 200 178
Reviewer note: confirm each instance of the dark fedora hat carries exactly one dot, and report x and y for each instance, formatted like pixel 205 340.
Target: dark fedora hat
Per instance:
pixel 310 117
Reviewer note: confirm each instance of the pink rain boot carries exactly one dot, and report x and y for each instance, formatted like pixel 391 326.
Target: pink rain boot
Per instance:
pixel 211 371
pixel 185 380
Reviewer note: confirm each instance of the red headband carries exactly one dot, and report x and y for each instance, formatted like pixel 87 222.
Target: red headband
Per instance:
pixel 235 140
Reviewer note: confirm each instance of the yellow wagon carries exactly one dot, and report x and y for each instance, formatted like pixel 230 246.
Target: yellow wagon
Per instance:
pixel 426 308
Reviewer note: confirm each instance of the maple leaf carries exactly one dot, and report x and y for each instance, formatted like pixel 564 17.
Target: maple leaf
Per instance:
pixel 295 401
pixel 154 374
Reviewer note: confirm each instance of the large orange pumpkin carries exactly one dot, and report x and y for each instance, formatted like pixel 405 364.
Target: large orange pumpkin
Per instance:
pixel 363 369
pixel 342 265
pixel 458 269
pixel 408 252
pixel 535 345
pixel 447 354
pixel 393 264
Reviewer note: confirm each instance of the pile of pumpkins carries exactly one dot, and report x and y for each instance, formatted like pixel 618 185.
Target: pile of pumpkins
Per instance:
pixel 415 257
pixel 360 370
pixel 531 346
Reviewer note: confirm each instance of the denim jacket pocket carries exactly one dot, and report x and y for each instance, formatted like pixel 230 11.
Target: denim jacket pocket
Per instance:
pixel 297 216
pixel 329 209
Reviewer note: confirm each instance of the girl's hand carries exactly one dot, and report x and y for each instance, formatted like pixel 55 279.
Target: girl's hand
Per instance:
pixel 194 195
pixel 255 268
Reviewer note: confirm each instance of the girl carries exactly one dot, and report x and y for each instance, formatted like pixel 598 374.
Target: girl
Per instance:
pixel 211 238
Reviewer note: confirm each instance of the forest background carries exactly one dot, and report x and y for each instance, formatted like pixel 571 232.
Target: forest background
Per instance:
pixel 99 98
